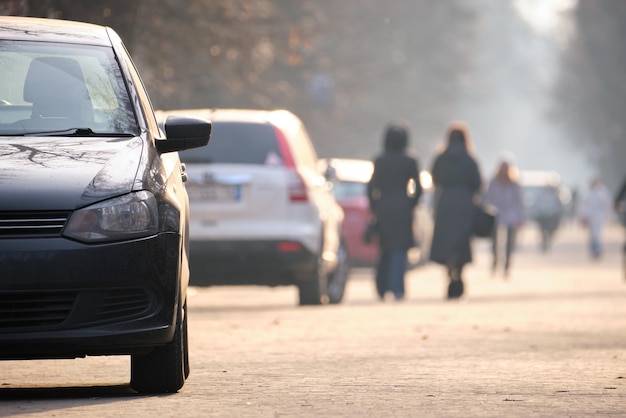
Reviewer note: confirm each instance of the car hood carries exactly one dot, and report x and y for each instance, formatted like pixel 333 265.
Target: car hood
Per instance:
pixel 55 173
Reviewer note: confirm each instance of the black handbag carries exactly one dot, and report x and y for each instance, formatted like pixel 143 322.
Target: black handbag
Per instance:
pixel 484 221
pixel 621 212
pixel 371 232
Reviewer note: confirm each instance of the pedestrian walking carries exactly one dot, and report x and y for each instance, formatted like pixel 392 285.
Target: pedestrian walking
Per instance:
pixel 620 203
pixel 595 209
pixel 393 191
pixel 504 192
pixel 548 211
pixel 620 208
pixel 457 182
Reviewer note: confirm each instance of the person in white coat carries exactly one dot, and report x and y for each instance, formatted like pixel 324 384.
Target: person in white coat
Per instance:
pixel 595 209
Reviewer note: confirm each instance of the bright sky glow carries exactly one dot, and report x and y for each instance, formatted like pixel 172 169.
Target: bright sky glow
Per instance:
pixel 546 16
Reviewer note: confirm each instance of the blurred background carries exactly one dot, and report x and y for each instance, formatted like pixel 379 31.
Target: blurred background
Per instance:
pixel 540 79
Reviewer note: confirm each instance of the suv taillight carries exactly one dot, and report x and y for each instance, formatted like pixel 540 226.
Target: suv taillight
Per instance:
pixel 297 188
pixel 283 146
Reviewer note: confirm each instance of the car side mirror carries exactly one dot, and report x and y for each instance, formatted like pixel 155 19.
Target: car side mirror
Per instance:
pixel 330 173
pixel 184 132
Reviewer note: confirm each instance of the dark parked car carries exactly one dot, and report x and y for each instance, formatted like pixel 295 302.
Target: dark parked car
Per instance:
pixel 94 212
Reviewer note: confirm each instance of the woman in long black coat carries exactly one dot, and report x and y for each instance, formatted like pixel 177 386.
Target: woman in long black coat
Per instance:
pixel 457 181
pixel 393 192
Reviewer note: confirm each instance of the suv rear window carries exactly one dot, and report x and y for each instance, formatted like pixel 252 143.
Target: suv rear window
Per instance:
pixel 237 143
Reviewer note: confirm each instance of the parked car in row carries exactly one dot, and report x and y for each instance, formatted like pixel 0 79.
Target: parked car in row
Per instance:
pixel 261 212
pixel 349 178
pixel 94 212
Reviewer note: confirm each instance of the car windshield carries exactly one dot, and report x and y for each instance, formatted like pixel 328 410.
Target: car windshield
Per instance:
pixel 238 143
pixel 48 88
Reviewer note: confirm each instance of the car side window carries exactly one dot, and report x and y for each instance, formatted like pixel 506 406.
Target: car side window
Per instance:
pixel 148 113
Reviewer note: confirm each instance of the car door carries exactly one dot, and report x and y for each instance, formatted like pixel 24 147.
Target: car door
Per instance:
pixel 165 168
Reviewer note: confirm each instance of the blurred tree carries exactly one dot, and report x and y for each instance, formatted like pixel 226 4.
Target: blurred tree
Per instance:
pixel 377 60
pixel 14 7
pixel 591 96
pixel 119 14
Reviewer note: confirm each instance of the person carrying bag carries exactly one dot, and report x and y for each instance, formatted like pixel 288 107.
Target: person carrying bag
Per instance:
pixel 457 183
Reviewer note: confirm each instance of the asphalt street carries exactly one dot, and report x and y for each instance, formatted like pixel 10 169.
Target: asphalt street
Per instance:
pixel 547 341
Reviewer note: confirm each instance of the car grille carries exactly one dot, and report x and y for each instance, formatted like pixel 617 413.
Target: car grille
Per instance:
pixel 49 310
pixel 122 303
pixel 34 309
pixel 32 224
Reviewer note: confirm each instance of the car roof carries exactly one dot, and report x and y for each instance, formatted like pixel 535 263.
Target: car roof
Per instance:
pixel 52 30
pixel 350 169
pixel 278 117
pixel 283 119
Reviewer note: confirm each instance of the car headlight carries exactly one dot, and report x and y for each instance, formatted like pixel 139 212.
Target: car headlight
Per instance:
pixel 130 216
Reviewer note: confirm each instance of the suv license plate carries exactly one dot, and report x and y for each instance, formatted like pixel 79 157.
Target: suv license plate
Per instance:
pixel 218 193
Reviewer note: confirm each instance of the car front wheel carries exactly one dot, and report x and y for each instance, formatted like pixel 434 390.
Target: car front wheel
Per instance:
pixel 165 368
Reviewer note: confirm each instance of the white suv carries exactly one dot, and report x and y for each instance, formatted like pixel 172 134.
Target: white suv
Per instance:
pixel 261 212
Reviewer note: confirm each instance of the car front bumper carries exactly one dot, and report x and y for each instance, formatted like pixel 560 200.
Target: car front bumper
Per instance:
pixel 63 299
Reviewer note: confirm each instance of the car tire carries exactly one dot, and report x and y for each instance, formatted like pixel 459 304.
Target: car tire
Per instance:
pixel 165 368
pixel 338 279
pixel 313 291
pixel 186 368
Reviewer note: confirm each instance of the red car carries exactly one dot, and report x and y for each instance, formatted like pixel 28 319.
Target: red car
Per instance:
pixel 349 178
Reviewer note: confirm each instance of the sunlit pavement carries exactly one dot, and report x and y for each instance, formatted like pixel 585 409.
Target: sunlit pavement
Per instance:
pixel 549 340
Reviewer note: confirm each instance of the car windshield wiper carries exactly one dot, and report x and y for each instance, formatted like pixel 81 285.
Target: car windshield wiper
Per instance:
pixel 77 132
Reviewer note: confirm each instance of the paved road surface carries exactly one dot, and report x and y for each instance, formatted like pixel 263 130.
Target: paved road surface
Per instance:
pixel 548 341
